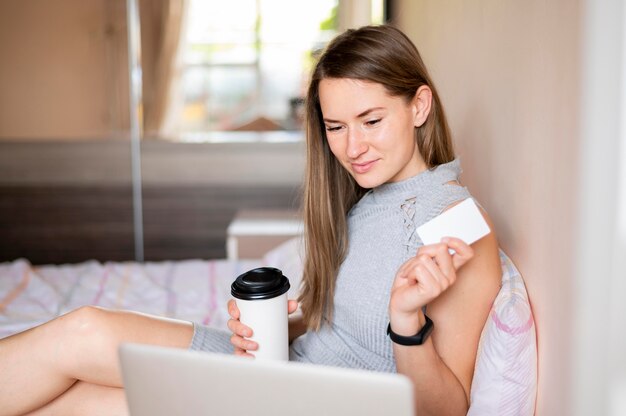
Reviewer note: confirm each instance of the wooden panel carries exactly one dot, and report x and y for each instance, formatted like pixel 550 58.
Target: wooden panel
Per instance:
pixel 66 224
pixel 76 223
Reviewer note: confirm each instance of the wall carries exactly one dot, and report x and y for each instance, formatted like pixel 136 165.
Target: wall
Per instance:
pixel 599 318
pixel 509 76
pixel 63 72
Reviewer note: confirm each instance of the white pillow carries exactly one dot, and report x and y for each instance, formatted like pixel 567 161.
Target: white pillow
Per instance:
pixel 505 375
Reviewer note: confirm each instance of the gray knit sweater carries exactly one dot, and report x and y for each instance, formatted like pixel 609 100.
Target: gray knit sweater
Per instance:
pixel 381 233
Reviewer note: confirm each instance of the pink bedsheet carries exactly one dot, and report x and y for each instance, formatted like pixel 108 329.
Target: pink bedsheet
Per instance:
pixel 194 290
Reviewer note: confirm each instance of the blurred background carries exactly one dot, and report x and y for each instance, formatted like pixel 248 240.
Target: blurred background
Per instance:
pixel 534 92
pixel 220 111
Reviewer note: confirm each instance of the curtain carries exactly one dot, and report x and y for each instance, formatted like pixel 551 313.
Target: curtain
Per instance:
pixel 162 25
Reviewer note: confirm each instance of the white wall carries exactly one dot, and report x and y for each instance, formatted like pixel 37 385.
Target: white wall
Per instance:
pixel 599 341
pixel 511 75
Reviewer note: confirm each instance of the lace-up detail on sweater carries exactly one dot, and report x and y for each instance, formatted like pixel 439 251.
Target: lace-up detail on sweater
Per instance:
pixel 411 239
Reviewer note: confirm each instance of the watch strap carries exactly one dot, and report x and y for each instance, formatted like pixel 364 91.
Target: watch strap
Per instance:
pixel 417 339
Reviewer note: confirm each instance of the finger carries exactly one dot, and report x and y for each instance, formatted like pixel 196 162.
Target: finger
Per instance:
pixel 238 351
pixel 439 252
pixel 424 273
pixel 406 274
pixel 243 343
pixel 292 306
pixel 242 353
pixel 237 328
pixel 405 269
pixel 463 252
pixel 233 310
pixel 411 297
pixel 435 269
pixel 402 275
pixel 458 245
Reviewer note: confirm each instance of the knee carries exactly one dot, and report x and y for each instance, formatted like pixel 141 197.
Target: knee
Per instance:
pixel 76 337
pixel 85 325
pixel 85 319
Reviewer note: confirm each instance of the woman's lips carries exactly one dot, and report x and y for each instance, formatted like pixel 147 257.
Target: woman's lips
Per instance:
pixel 363 167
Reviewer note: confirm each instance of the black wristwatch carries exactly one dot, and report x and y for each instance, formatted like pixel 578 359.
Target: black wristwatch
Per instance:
pixel 417 339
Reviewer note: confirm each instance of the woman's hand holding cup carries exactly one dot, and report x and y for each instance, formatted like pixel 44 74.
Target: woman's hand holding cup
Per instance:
pixel 241 332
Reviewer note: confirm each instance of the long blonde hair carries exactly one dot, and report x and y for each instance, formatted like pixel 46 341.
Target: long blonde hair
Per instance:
pixel 381 54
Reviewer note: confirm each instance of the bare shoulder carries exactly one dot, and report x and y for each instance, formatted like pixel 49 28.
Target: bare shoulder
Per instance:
pixel 478 281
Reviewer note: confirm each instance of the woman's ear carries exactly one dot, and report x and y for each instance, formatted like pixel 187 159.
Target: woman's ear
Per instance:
pixel 421 105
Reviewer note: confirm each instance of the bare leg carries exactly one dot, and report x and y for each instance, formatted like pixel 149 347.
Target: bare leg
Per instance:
pixel 39 365
pixel 87 399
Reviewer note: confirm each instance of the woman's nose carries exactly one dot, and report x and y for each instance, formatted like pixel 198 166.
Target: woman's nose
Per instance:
pixel 357 144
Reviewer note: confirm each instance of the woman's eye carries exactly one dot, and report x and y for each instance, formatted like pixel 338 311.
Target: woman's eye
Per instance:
pixel 333 128
pixel 373 122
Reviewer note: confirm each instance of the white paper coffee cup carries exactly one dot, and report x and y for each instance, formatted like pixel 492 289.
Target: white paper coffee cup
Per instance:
pixel 261 296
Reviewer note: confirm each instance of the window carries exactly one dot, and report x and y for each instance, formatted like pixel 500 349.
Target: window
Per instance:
pixel 245 63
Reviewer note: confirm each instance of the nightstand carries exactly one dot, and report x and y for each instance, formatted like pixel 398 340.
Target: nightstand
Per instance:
pixel 252 233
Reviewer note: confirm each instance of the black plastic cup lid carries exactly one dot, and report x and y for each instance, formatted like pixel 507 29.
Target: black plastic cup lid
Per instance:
pixel 260 283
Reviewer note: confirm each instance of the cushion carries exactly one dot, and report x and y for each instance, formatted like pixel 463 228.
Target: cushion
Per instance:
pixel 288 257
pixel 505 375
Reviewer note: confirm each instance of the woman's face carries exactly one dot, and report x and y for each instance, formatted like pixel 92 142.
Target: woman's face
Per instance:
pixel 370 132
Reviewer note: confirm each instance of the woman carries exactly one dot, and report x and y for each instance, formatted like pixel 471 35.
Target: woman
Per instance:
pixel 380 163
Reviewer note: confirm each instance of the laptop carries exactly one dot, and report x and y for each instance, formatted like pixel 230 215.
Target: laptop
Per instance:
pixel 169 382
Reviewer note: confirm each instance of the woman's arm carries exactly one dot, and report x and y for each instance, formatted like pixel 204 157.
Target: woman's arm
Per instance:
pixel 459 291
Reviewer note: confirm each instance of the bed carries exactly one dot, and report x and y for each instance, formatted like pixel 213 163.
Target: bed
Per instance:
pixel 195 290
pixel 505 375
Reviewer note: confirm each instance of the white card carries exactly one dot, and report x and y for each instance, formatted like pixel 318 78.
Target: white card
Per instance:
pixel 463 221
